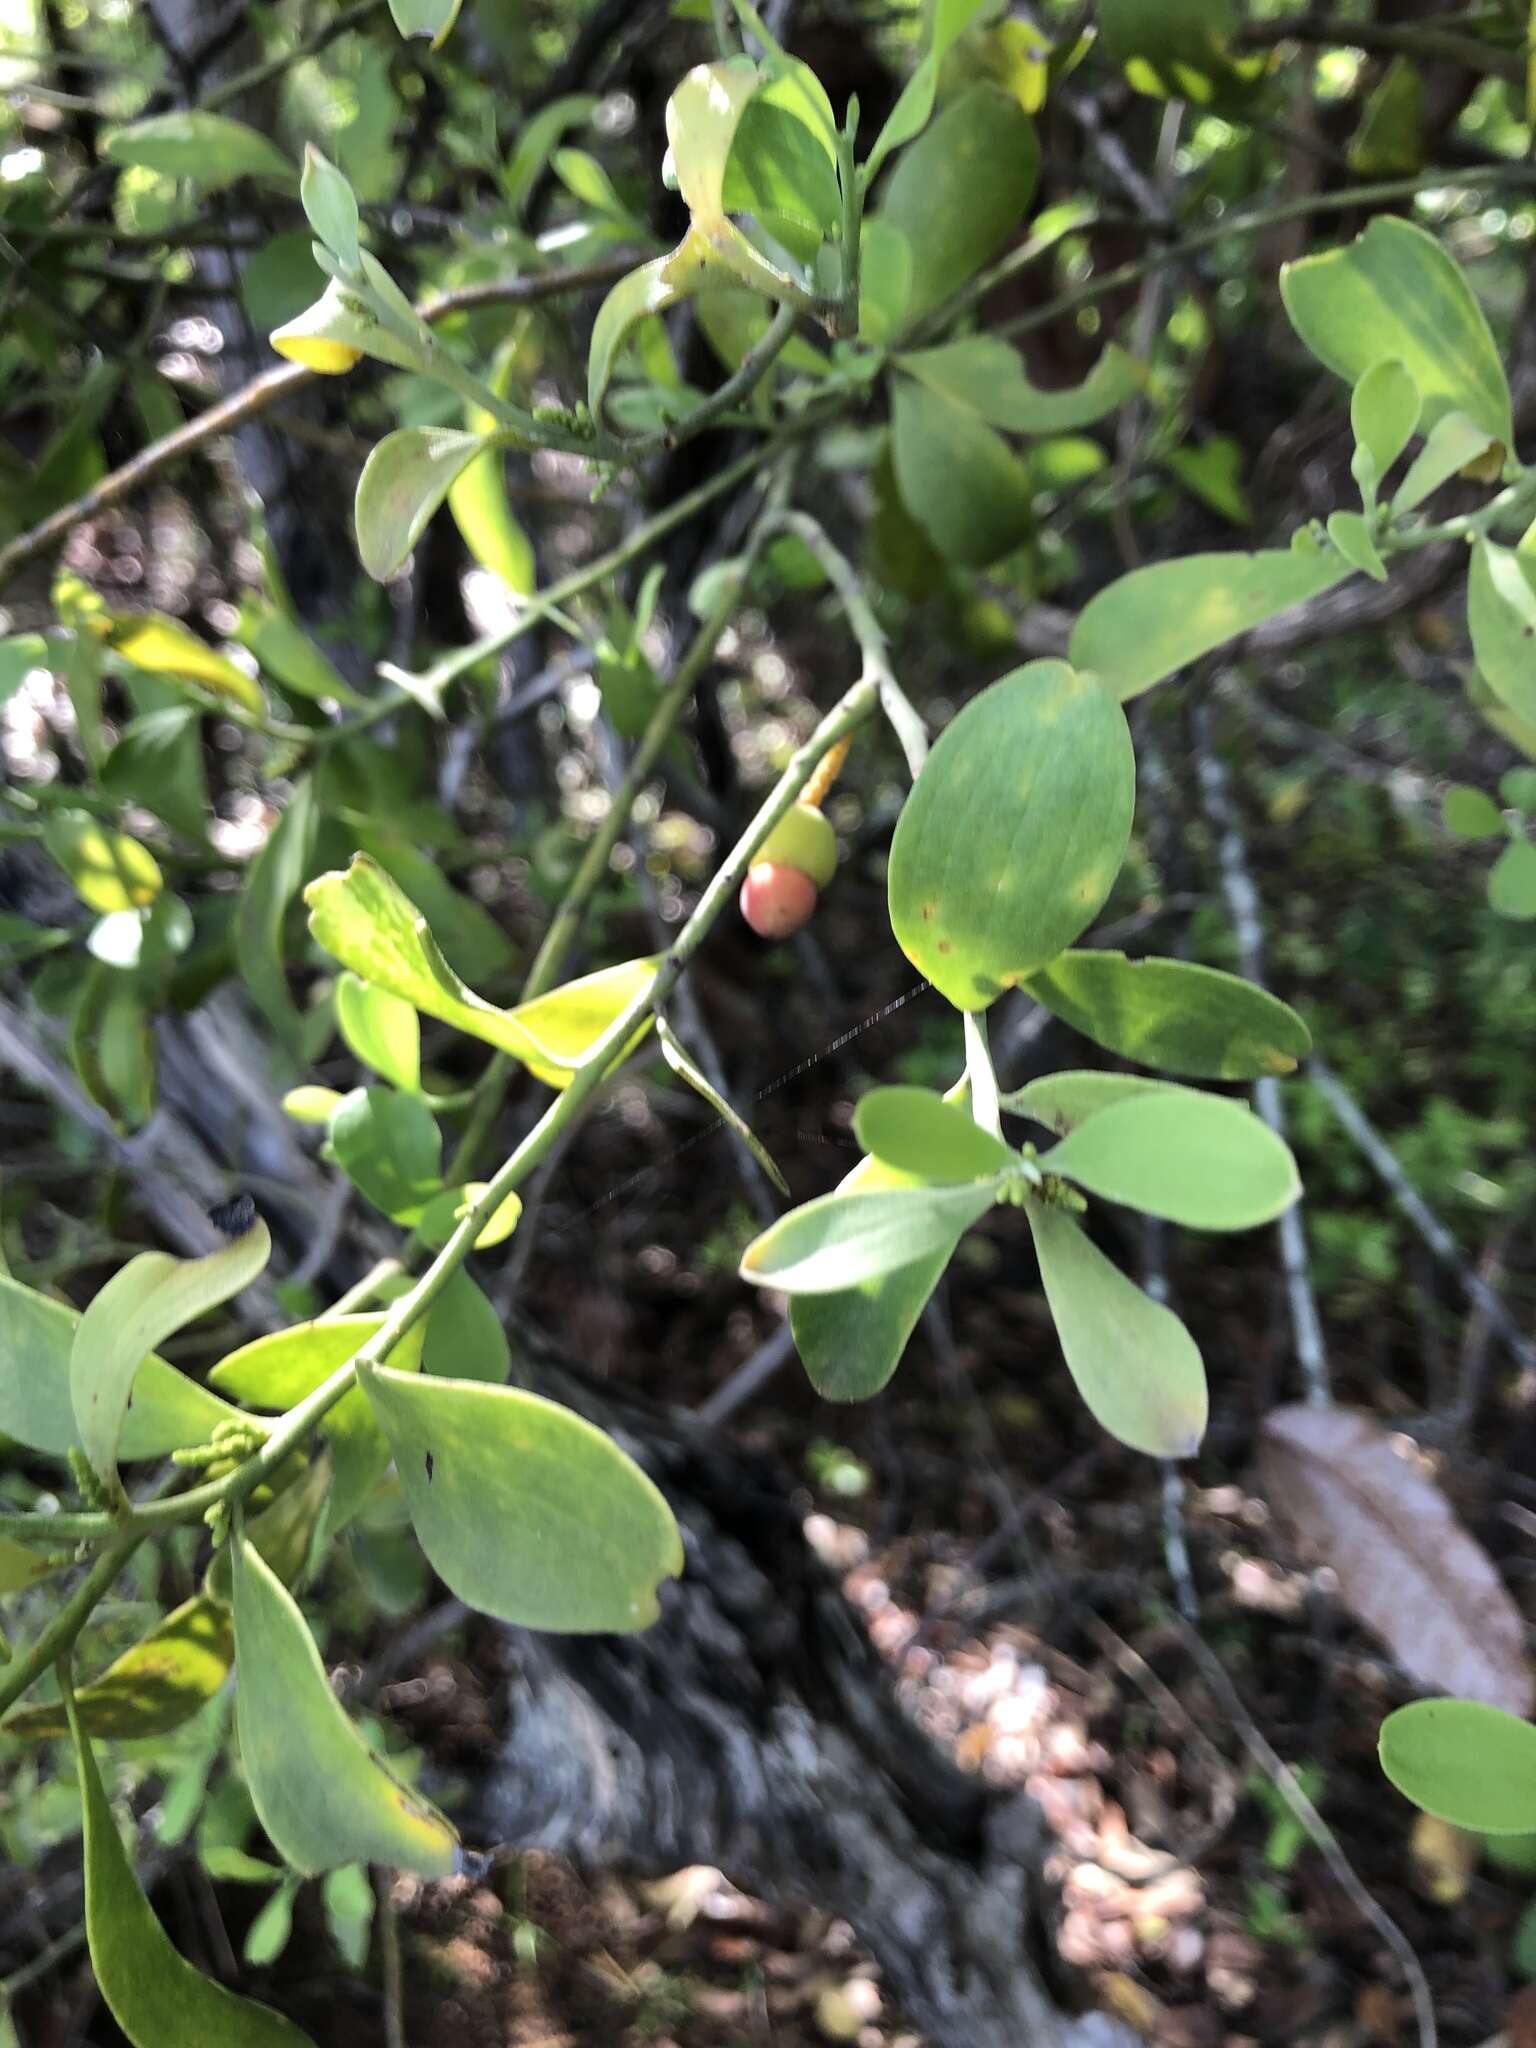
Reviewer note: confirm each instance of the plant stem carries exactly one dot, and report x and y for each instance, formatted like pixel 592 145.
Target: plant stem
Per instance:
pixel 30 1664
pixel 866 629
pixel 982 1075
pixel 432 681
pixel 744 379
pixel 566 923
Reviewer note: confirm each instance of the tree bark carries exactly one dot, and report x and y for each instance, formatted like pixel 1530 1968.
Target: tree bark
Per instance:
pixel 755 1729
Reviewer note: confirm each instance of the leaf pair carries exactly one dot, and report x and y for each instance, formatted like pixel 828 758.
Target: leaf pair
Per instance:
pixel 368 923
pixel 146 1301
pixel 740 141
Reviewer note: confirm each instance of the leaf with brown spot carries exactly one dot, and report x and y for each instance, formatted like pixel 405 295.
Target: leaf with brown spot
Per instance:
pixel 1406 1567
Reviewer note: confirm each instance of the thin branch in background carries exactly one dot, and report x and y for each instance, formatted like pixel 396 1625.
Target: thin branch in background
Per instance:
pixel 1245 911
pixel 1154 1281
pixel 390 1966
pixel 1322 1836
pixel 266 390
pixel 175 1178
pixel 1353 1120
pixel 749 1378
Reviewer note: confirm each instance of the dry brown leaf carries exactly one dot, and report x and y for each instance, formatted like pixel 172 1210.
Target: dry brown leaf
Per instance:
pixel 1405 1565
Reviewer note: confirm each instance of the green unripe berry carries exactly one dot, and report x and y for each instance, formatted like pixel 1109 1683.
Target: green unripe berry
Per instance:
pixel 803 839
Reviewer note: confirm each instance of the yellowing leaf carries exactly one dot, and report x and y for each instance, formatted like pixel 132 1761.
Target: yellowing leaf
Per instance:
pixel 369 924
pixel 155 1995
pixel 1155 620
pixel 523 1508
pixel 109 870
pixel 153 1687
pixel 164 647
pixel 321 1793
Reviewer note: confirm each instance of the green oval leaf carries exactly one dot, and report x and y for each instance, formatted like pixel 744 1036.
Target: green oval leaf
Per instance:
pixel 921 1134
pixel 330 206
pixel 851 1341
pixel 1195 1159
pixel 1063 1101
pixel 285 1530
pixel 430 18
pixel 1464 1762
pixel 1156 620
pixel 1384 412
pixel 1394 292
pixel 840 1241
pixel 146 1301
pixel 777 165
pixel 1469 814
pixel 1351 534
pixel 153 1687
pixel 960 191
pixel 209 150
pixel 37 1335
pixel 287 654
pixel 1501 617
pixel 156 1997
pixel 405 479
pixel 1136 1366
pixel 1173 1014
pixel 1014 832
pixel 382 1030
pixel 983 375
pixel 525 1510
pixel 465 1339
pixel 1512 882
pixel 1450 446
pixel 322 1794
pixel 390 1148
pixel 109 870
pixel 960 481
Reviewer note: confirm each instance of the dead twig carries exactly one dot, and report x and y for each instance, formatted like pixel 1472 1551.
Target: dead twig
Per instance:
pixel 1246 913
pixel 1284 1780
pixel 1439 1241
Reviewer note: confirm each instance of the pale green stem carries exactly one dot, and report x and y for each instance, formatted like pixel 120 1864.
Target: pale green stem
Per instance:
pixel 54 1641
pixel 451 666
pixel 982 1075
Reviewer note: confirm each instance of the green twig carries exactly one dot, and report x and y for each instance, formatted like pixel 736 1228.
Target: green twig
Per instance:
pixel 1383 193
pixel 29 1664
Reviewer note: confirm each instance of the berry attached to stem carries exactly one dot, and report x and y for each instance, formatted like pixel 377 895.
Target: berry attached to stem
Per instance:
pixel 776 899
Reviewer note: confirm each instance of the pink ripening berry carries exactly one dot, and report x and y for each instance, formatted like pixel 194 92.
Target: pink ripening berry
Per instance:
pixel 777 900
